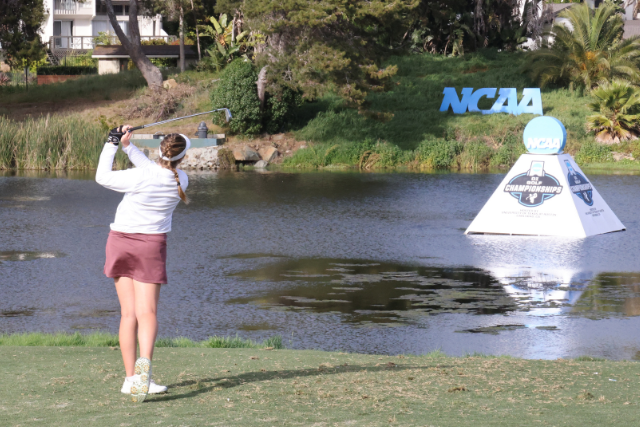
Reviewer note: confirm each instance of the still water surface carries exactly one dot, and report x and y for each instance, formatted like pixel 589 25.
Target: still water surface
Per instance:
pixel 373 263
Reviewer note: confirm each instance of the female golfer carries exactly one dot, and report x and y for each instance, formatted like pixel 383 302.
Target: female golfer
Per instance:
pixel 137 245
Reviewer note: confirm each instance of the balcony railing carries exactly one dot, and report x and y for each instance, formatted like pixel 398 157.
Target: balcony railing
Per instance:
pixel 65 7
pixel 72 7
pixel 88 42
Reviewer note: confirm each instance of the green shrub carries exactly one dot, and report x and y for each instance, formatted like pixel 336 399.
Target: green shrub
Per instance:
pixel 62 70
pixel 279 107
pixel 437 153
pixel 510 150
pixel 238 92
pixel 592 152
pixel 475 155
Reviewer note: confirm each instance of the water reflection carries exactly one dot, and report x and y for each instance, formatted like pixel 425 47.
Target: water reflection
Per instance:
pixel 379 292
pixel 27 256
pixel 383 292
pixel 610 294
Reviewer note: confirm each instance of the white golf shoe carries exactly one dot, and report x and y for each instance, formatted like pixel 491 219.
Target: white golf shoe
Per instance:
pixel 141 380
pixel 153 387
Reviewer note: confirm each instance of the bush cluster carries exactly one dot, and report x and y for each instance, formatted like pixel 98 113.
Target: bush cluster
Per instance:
pixel 237 91
pixel 65 70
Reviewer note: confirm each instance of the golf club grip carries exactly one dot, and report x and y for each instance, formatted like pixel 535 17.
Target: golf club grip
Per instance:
pixel 136 128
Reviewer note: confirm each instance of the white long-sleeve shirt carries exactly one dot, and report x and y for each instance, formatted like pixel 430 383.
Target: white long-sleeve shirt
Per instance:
pixel 151 191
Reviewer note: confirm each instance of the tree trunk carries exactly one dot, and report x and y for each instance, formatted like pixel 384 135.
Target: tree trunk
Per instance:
pixel 181 39
pixel 150 72
pixel 195 21
pixel 262 86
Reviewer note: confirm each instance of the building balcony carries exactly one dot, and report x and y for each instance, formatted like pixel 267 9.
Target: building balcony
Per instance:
pixel 68 43
pixel 71 7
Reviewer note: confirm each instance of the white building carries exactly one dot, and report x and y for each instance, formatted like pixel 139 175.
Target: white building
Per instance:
pixel 73 25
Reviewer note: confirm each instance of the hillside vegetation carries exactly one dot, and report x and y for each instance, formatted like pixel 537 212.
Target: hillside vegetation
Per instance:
pixel 404 127
pixel 399 128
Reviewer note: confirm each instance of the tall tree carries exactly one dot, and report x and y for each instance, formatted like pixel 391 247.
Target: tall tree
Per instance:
pixel 321 45
pixel 132 44
pixel 20 25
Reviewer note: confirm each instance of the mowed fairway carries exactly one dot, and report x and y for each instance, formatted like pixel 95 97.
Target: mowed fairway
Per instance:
pixel 69 386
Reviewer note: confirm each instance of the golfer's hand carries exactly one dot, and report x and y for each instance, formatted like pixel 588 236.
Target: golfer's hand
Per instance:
pixel 115 135
pixel 126 138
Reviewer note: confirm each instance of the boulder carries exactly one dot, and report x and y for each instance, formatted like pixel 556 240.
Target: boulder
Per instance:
pixel 621 156
pixel 169 84
pixel 261 164
pixel 245 154
pixel 268 154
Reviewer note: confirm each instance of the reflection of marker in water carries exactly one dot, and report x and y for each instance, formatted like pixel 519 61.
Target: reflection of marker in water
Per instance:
pixel 537 169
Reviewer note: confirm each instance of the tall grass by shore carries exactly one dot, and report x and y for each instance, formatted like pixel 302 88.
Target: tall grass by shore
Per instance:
pixel 52 143
pixel 105 339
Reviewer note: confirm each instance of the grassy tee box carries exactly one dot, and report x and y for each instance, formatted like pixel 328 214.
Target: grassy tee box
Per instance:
pixel 68 386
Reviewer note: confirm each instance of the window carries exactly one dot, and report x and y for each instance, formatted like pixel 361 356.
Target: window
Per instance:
pixel 62 30
pixel 120 8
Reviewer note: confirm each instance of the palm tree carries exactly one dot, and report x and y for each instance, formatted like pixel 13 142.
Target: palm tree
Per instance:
pixel 588 51
pixel 616 105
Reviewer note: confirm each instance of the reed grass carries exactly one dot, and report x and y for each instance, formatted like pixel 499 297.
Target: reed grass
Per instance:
pixel 52 143
pixel 105 339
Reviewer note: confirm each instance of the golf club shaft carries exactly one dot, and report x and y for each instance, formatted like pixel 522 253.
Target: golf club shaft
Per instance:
pixel 173 120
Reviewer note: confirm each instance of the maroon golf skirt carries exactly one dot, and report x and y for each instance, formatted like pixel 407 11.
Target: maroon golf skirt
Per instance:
pixel 141 257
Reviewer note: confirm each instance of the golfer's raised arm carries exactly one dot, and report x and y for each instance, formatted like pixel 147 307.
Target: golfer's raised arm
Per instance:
pixel 121 181
pixel 136 156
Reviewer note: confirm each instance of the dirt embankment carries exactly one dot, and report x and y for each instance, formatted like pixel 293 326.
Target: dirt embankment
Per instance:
pixel 142 107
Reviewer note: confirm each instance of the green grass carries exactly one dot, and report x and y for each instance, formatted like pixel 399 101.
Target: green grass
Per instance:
pixel 405 127
pixel 73 386
pixel 105 339
pixel 92 87
pixel 52 143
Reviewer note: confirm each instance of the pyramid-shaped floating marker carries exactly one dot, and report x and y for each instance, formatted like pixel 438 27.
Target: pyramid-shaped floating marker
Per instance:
pixel 545 193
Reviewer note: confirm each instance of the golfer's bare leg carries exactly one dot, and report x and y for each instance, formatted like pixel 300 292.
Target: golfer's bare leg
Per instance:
pixel 147 295
pixel 128 322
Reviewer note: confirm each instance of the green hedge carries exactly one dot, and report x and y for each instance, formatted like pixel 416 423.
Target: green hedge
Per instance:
pixel 62 70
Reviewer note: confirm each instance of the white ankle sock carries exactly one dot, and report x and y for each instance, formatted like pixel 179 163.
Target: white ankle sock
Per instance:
pixel 129 378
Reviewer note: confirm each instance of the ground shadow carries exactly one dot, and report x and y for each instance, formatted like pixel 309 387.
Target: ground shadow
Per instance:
pixel 206 385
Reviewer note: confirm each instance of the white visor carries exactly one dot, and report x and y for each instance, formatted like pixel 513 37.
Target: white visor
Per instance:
pixel 179 156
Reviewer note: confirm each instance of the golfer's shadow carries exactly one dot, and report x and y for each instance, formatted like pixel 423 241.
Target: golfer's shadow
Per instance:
pixel 208 384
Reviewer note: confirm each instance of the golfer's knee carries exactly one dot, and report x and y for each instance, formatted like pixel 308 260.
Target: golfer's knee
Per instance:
pixel 146 316
pixel 128 316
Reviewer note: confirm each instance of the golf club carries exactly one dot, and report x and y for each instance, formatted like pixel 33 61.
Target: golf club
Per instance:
pixel 227 117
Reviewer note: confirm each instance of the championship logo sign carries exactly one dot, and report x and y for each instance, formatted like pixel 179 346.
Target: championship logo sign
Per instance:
pixel 579 185
pixel 507 101
pixel 533 187
pixel 541 175
pixel 545 135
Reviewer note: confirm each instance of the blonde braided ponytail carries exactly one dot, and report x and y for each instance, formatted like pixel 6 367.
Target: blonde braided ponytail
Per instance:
pixel 172 145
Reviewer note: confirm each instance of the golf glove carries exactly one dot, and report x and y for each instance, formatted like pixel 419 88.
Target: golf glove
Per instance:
pixel 115 135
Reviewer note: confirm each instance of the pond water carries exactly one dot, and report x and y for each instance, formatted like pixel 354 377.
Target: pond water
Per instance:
pixel 374 263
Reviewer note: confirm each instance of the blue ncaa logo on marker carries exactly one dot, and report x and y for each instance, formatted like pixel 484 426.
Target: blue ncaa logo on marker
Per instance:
pixel 545 135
